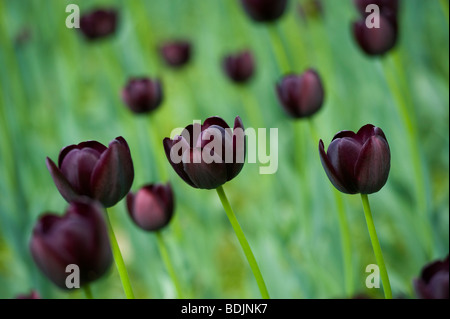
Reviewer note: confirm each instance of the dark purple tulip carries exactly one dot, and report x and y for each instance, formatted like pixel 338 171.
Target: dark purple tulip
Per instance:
pixel 357 163
pixel 433 281
pixel 142 95
pixel 93 170
pixel 239 67
pixel 176 53
pixel 98 23
pixel 301 95
pixel 376 41
pixel 32 295
pixel 188 154
pixel 78 237
pixel 151 208
pixel 264 10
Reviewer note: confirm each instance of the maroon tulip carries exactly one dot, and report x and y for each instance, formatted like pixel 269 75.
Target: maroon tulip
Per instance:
pixel 208 155
pixel 376 41
pixel 98 23
pixel 239 67
pixel 32 295
pixel 151 208
pixel 301 95
pixel 93 170
pixel 142 95
pixel 264 10
pixel 357 163
pixel 176 53
pixel 78 237
pixel 433 281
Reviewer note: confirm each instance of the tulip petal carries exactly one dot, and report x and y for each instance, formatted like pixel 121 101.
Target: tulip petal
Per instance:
pixel 239 149
pixel 366 132
pixel 113 175
pixel 99 147
pixel 62 184
pixel 214 120
pixel 373 165
pixel 333 176
pixel 178 167
pixel 203 175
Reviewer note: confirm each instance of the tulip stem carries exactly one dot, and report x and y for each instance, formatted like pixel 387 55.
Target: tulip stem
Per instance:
pixel 165 256
pixel 444 6
pixel 157 150
pixel 376 247
pixel 87 291
pixel 279 48
pixel 118 259
pixel 244 243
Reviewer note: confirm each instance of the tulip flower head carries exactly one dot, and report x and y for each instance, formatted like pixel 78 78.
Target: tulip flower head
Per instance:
pixel 433 281
pixel 142 95
pixel 151 207
pixel 301 95
pixel 98 23
pixel 176 53
pixel 32 295
pixel 264 10
pixel 207 155
pixel 79 237
pixel 93 170
pixel 239 67
pixel 357 162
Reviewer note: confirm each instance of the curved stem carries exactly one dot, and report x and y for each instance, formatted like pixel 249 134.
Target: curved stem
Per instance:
pixel 118 259
pixel 376 247
pixel 244 243
pixel 279 49
pixel 168 263
pixel 87 291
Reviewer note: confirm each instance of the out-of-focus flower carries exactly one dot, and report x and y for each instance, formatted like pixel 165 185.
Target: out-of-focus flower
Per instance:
pixel 433 281
pixel 264 10
pixel 142 95
pixel 239 67
pixel 208 155
pixel 98 23
pixel 79 237
pixel 32 295
pixel 357 163
pixel 301 95
pixel 151 207
pixel 176 53
pixel 94 170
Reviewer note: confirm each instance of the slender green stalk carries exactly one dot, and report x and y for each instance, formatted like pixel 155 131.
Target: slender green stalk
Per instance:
pixel 87 291
pixel 279 49
pixel 444 6
pixel 244 243
pixel 252 109
pixel 376 247
pixel 120 264
pixel 158 151
pixel 346 245
pixel 168 263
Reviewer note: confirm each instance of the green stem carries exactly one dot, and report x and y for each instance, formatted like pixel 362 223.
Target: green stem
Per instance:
pixel 158 151
pixel 244 243
pixel 279 49
pixel 346 245
pixel 120 264
pixel 252 109
pixel 444 6
pixel 376 247
pixel 168 263
pixel 87 291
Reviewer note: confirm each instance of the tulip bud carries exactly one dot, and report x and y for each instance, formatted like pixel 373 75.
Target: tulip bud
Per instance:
pixel 32 295
pixel 79 237
pixel 239 67
pixel 142 95
pixel 208 155
pixel 357 163
pixel 376 41
pixel 151 208
pixel 176 53
pixel 98 23
pixel 264 10
pixel 93 170
pixel 433 281
pixel 301 95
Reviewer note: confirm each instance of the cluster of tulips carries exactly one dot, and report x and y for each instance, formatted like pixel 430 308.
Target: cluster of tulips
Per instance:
pixel 92 177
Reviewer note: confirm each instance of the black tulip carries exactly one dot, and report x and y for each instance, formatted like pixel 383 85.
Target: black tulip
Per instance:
pixel 99 23
pixel 176 53
pixel 433 281
pixel 142 95
pixel 264 10
pixel 78 237
pixel 239 67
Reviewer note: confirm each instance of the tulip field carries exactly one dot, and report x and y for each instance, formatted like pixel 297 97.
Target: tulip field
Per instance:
pixel 330 179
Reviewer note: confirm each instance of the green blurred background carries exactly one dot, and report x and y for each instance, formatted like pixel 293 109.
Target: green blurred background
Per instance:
pixel 58 89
